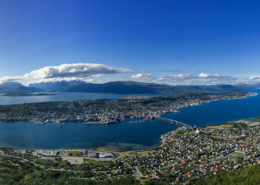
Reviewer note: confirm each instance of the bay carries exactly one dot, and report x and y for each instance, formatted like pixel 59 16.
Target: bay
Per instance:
pixel 123 136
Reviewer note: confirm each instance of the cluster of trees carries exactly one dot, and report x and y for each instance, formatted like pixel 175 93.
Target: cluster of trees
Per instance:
pixel 238 177
pixel 17 172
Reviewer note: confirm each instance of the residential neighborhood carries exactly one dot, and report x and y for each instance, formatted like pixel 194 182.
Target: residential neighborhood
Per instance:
pixel 184 154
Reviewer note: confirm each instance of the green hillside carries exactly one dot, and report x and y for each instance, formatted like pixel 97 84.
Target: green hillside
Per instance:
pixel 245 176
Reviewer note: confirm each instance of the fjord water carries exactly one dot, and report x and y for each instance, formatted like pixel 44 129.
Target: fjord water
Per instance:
pixel 125 135
pixel 59 96
pixel 219 111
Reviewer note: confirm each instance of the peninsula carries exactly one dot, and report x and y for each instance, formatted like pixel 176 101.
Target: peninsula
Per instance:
pixel 105 111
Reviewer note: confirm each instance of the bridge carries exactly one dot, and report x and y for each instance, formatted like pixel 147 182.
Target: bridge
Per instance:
pixel 177 122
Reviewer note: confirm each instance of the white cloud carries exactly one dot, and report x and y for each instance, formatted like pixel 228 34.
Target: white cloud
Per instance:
pixel 77 71
pixel 175 77
pixel 217 79
pixel 142 76
pixel 167 78
pixel 254 78
pixel 74 70
pixel 196 79
pixel 10 79
pixel 205 75
pixel 89 72
pixel 186 78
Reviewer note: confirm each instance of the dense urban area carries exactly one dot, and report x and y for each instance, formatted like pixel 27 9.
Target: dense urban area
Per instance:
pixel 108 111
pixel 186 155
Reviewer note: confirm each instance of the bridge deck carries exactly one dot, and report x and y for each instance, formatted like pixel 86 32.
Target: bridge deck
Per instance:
pixel 178 122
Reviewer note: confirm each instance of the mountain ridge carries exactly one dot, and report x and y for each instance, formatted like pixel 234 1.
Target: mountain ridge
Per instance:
pixel 119 87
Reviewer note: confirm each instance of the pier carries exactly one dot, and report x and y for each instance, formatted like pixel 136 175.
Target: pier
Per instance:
pixel 177 122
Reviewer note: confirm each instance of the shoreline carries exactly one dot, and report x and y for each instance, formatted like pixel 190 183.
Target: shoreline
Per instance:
pixel 61 122
pixel 108 149
pixel 119 150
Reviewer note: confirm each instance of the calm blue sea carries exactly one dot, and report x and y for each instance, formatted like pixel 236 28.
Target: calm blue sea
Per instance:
pixel 125 135
pixel 219 111
pixel 61 96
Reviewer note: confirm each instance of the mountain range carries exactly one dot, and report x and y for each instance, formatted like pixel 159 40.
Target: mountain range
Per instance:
pixel 119 87
pixel 55 86
pixel 14 87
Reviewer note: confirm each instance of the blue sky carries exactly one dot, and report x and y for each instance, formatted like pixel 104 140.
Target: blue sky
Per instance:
pixel 218 40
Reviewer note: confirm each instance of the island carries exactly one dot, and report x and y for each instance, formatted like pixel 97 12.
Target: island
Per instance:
pixel 106 111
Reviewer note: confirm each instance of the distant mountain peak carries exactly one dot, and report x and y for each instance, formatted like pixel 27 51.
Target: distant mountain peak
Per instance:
pixel 54 86
pixel 14 87
pixel 11 84
pixel 118 87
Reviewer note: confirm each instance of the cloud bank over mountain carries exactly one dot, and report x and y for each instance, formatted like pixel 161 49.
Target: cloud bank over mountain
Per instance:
pixel 187 78
pixel 78 71
pixel 90 72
